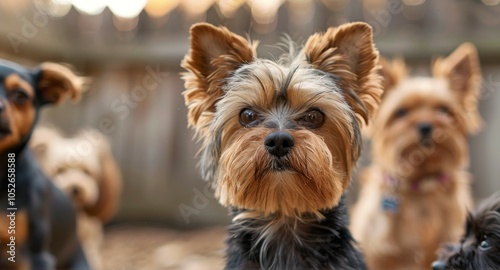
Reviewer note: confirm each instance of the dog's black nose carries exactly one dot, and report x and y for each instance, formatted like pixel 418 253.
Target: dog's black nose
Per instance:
pixel 425 129
pixel 279 143
pixel 75 191
pixel 438 265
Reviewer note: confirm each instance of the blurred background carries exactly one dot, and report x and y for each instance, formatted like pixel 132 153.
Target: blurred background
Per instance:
pixel 120 43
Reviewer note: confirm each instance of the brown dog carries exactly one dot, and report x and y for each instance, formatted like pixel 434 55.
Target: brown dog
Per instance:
pixel 83 167
pixel 416 194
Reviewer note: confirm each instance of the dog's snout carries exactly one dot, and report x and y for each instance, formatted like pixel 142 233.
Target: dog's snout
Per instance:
pixel 438 265
pixel 279 143
pixel 75 191
pixel 1 106
pixel 425 129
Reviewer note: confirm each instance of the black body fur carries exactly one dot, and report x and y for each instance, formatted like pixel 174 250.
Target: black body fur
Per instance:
pixel 480 246
pixel 52 219
pixel 305 243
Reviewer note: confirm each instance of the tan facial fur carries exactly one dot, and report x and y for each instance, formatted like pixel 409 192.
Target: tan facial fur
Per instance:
pixel 55 84
pixel 447 103
pixel 244 155
pixel 397 144
pixel 335 73
pixel 20 117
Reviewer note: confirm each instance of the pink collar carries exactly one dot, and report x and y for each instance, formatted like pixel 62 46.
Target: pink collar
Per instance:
pixel 395 183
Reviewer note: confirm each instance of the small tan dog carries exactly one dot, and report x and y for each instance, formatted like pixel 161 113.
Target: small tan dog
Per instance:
pixel 84 168
pixel 416 193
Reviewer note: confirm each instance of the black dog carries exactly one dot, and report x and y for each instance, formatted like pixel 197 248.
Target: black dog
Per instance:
pixel 480 246
pixel 37 221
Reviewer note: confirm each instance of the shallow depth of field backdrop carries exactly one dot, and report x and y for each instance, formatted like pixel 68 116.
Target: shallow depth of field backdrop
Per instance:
pixel 119 43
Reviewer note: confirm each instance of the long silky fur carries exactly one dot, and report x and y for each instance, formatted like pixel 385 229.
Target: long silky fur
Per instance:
pixel 292 218
pixel 280 242
pixel 485 221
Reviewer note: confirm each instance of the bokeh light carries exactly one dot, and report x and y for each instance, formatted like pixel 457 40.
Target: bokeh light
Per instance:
pixel 491 2
pixel 90 7
pixel 127 9
pixel 196 7
pixel 54 8
pixel 264 11
pixel 160 8
pixel 125 24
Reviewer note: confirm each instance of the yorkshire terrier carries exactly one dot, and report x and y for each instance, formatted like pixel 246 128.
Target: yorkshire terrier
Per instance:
pixel 90 177
pixel 479 248
pixel 416 193
pixel 280 140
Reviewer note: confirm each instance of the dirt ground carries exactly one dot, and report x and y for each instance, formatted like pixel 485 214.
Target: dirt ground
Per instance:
pixel 137 248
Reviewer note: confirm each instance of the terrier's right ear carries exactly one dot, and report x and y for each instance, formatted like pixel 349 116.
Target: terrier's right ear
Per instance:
pixel 348 52
pixel 392 73
pixel 461 69
pixel 214 53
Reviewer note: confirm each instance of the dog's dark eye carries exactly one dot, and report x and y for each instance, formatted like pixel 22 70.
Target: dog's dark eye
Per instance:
pixel 485 245
pixel 60 170
pixel 443 109
pixel 312 119
pixel 86 171
pixel 249 117
pixel 19 96
pixel 401 112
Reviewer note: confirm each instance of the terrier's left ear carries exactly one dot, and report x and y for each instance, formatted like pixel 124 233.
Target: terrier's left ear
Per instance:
pixel 463 73
pixel 348 52
pixel 392 72
pixel 214 53
pixel 58 82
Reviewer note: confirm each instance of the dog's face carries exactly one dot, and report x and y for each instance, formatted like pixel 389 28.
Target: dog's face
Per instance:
pixel 280 136
pixel 81 166
pixel 480 246
pixel 423 123
pixel 23 92
pixel 72 163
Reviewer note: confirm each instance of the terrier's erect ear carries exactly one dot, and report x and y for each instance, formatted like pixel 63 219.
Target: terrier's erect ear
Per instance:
pixel 392 72
pixel 348 52
pixel 58 82
pixel 463 72
pixel 215 52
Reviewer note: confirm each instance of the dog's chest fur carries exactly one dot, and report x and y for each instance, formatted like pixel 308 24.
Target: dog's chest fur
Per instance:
pixel 423 220
pixel 290 243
